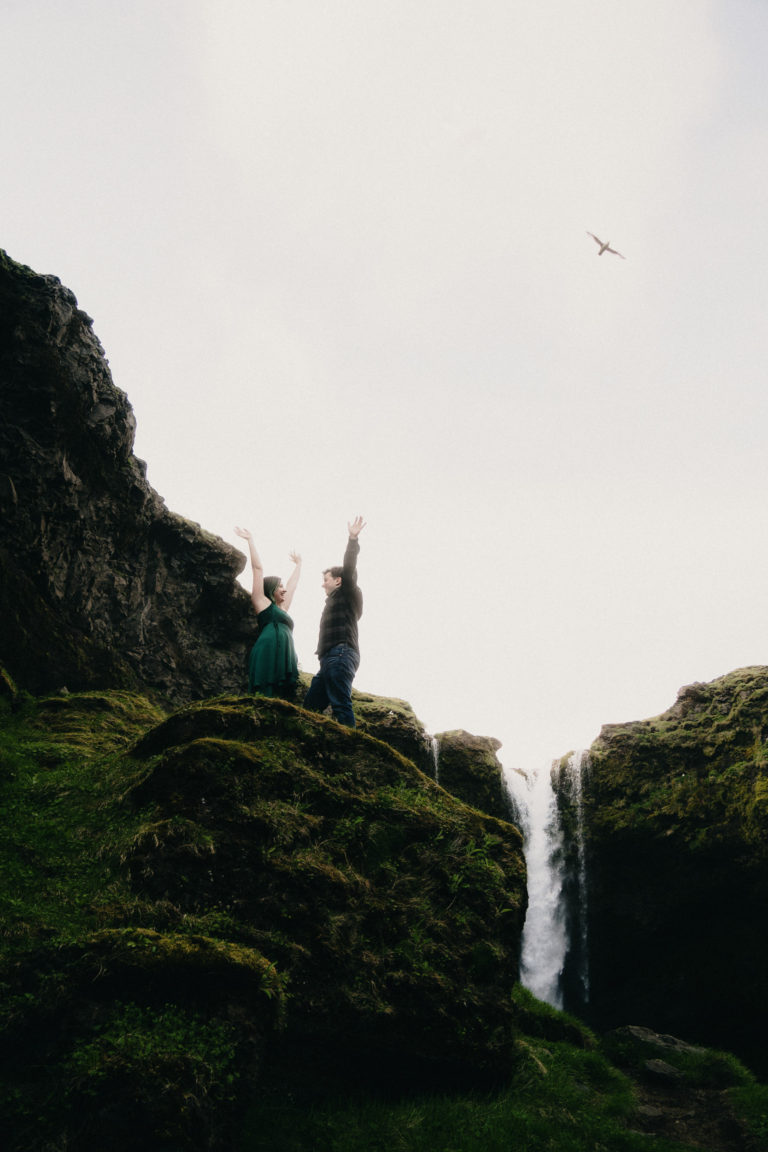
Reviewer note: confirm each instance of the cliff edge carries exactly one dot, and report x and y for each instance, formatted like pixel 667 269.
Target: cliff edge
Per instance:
pixel 100 585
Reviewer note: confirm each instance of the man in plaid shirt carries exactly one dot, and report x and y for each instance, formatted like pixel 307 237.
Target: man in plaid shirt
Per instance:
pixel 337 647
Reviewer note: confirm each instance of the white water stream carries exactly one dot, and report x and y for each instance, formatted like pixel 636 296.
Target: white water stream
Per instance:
pixel 435 746
pixel 577 766
pixel 546 943
pixel 554 933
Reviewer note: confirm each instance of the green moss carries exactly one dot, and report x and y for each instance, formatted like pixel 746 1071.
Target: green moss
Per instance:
pixel 630 1048
pixel 157 1077
pixel 59 778
pixel 470 769
pixel 676 809
pixel 242 852
pixel 209 907
pixel 137 1051
pixel 751 1104
pixel 561 1097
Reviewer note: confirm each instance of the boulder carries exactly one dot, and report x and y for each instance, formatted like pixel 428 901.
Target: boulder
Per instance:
pixel 676 811
pixel 467 767
pixel 236 901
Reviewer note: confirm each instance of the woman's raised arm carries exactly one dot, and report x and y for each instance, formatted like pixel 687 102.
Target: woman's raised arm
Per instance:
pixel 293 580
pixel 260 601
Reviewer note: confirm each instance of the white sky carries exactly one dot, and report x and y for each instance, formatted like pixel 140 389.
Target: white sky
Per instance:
pixel 336 254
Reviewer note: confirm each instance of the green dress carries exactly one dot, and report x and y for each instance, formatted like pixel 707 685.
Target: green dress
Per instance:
pixel 273 669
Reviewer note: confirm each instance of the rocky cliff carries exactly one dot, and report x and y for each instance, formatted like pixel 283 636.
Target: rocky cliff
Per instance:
pixel 676 815
pixel 237 876
pixel 208 900
pixel 216 917
pixel 100 585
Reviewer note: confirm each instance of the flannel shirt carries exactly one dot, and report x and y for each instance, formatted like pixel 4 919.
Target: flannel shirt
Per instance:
pixel 343 607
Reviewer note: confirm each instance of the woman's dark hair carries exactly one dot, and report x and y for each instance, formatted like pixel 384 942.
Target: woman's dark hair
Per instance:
pixel 270 587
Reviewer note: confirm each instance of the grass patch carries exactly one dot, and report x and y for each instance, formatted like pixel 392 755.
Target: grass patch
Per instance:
pixel 59 762
pixel 751 1103
pixel 562 1098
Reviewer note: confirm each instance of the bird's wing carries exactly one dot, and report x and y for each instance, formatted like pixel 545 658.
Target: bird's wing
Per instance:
pixel 615 253
pixel 595 238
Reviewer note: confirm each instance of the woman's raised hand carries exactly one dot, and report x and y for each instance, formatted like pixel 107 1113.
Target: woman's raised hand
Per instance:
pixel 295 557
pixel 244 533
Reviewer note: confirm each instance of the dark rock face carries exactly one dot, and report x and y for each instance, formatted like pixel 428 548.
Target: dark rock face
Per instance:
pixel 100 585
pixel 567 775
pixel 676 812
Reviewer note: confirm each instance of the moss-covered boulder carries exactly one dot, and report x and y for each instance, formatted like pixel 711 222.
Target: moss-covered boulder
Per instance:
pixel 468 767
pixel 464 764
pixel 139 1038
pixel 676 811
pixel 395 722
pixel 394 910
pixel 235 899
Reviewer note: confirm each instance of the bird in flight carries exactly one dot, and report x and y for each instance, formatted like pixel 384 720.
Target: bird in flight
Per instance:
pixel 605 245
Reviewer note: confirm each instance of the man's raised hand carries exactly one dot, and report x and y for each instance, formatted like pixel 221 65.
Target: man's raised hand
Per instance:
pixel 356 527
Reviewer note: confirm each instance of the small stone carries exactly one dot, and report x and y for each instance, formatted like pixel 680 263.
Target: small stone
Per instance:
pixel 660 1070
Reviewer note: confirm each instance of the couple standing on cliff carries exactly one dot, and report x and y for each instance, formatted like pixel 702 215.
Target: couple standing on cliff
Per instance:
pixel 273 669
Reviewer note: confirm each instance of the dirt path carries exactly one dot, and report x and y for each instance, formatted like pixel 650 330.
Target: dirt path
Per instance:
pixel 699 1117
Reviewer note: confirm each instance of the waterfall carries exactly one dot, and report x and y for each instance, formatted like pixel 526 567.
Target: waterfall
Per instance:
pixel 554 945
pixel 435 746
pixel 578 958
pixel 544 935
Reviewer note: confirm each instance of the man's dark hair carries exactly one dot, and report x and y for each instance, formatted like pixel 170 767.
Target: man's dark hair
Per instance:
pixel 336 571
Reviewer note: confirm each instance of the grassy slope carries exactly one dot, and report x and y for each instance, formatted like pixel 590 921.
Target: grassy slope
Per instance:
pixel 62 773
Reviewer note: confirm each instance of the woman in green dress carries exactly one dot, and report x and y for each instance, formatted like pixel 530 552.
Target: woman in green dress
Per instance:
pixel 273 669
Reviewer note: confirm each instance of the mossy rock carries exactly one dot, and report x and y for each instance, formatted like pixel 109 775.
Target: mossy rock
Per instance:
pixel 250 878
pixel 134 1037
pixel 395 910
pixel 469 768
pixel 395 722
pixel 636 1048
pixel 676 811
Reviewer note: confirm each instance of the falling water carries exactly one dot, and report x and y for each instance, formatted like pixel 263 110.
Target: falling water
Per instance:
pixel 577 767
pixel 435 745
pixel 544 936
pixel 554 945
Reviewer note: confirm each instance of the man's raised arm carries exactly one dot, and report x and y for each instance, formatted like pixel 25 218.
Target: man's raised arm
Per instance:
pixel 349 566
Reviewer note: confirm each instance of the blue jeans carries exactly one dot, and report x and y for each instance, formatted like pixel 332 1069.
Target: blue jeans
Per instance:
pixel 333 684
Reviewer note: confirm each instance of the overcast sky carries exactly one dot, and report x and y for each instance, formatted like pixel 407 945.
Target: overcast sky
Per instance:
pixel 337 256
